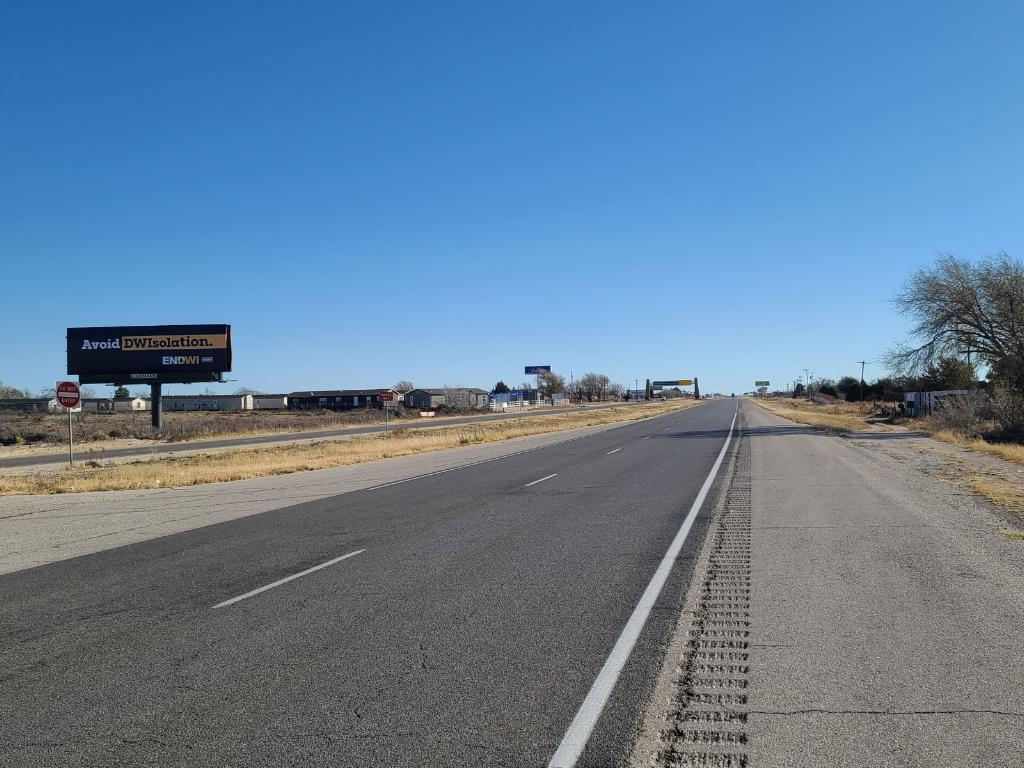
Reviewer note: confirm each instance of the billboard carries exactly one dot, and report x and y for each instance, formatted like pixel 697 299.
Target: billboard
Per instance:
pixel 673 383
pixel 535 369
pixel 149 354
pixel 761 383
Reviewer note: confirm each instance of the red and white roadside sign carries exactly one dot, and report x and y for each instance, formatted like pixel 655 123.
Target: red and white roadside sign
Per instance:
pixel 387 397
pixel 68 394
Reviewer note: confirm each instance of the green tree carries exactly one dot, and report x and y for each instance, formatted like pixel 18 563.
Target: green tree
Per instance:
pixel 122 393
pixel 950 372
pixel 849 387
pixel 798 390
pixel 501 388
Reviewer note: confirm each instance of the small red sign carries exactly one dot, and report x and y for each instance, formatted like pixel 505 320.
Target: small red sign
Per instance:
pixel 387 397
pixel 68 394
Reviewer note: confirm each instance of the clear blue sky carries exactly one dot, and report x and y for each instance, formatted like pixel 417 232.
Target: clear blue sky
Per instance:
pixel 445 192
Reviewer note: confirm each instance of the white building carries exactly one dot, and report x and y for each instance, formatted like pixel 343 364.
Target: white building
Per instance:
pixel 131 404
pixel 262 402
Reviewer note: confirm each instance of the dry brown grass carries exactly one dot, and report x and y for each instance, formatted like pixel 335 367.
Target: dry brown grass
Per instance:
pixel 1013 535
pixel 834 417
pixel 198 469
pixel 1010 451
pixel 49 431
pixel 1001 493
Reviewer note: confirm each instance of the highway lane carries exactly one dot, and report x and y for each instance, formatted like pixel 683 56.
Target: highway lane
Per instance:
pixel 97 452
pixel 467 630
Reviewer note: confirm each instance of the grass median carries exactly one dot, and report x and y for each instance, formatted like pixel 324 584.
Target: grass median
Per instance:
pixel 245 464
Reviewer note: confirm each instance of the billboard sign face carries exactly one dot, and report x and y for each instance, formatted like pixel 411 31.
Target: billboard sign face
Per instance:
pixel 673 383
pixel 149 353
pixel 532 370
pixel 761 383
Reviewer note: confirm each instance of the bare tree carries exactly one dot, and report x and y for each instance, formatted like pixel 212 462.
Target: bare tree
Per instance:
pixel 593 386
pixel 551 384
pixel 958 308
pixel 247 391
pixel 11 393
pixel 403 386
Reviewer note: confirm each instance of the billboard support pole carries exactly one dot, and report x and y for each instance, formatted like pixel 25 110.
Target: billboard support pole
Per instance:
pixel 156 406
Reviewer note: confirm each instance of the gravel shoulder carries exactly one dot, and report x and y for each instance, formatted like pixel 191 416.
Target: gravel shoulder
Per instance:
pixel 859 607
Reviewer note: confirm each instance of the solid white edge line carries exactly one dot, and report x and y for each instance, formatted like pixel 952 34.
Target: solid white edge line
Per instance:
pixel 555 474
pixel 582 725
pixel 614 450
pixel 286 579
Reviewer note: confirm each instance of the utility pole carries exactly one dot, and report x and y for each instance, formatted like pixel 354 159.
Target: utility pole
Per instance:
pixel 807 381
pixel 862 364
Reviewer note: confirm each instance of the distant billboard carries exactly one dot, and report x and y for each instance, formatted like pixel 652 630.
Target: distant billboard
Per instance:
pixel 149 354
pixel 762 383
pixel 533 370
pixel 673 383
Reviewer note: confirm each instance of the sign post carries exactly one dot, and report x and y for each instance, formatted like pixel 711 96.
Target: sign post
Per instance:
pixel 536 370
pixel 386 398
pixel 70 396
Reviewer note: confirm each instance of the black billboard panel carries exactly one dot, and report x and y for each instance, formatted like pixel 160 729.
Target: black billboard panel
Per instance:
pixel 149 353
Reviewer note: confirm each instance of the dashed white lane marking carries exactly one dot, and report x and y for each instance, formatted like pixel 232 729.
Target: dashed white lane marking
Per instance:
pixel 541 480
pixel 582 726
pixel 648 437
pixel 613 450
pixel 666 429
pixel 286 579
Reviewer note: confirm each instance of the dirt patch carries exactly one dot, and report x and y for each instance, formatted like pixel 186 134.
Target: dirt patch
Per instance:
pixel 984 474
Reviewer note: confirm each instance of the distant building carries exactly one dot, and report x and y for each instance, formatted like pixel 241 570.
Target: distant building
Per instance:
pixel 132 404
pixel 173 403
pixel 516 396
pixel 97 405
pixel 455 397
pixel 26 404
pixel 263 402
pixel 922 403
pixel 335 399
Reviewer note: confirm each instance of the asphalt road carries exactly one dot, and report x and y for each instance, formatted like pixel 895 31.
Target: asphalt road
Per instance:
pixel 96 451
pixel 467 631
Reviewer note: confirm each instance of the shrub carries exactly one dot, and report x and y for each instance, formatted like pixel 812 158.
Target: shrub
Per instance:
pixel 1008 409
pixel 962 414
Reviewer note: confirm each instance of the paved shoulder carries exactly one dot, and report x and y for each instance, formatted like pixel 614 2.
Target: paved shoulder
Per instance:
pixel 875 617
